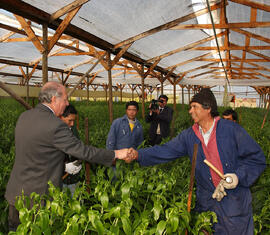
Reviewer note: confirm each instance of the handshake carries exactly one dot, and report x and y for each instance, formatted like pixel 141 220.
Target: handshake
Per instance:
pixel 128 155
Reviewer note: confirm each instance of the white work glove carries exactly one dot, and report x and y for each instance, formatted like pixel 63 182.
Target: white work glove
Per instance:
pixel 231 181
pixel 219 192
pixel 72 169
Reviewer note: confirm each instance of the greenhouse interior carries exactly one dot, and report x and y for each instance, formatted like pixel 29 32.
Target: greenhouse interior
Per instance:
pixel 108 53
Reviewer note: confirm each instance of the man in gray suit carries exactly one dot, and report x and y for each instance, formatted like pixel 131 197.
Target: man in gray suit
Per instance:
pixel 42 141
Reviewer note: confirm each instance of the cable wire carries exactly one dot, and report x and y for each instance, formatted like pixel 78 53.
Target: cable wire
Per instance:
pixel 214 29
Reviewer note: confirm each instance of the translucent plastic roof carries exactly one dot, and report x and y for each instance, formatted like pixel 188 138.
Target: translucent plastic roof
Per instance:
pixel 184 50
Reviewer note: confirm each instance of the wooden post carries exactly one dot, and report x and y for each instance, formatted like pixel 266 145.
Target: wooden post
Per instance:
pixel 132 92
pixel 183 97
pixel 143 105
pixel 87 90
pixel 45 54
pixel 161 83
pixel 189 94
pixel 14 95
pixel 191 181
pixel 27 84
pixel 174 108
pixel 110 87
pixel 106 92
pixel 87 164
pixel 174 96
pixel 121 93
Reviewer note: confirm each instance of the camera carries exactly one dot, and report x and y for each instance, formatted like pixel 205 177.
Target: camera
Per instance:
pixel 154 104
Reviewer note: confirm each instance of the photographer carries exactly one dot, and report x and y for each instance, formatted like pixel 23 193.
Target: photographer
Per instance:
pixel 160 116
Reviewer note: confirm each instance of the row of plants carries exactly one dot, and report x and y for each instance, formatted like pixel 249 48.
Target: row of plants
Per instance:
pixel 149 200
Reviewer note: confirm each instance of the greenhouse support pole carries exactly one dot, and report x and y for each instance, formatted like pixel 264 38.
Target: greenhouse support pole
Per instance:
pixel 143 104
pixel 87 90
pixel 14 95
pixel 87 164
pixel 161 84
pixel 188 94
pixel 45 54
pixel 110 86
pixel 27 84
pixel 174 108
pixel 192 175
pixel 121 93
pixel 174 96
pixel 183 96
pixel 106 92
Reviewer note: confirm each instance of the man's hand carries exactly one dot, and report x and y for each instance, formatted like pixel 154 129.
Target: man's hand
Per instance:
pixel 128 155
pixel 72 169
pixel 132 154
pixel 231 181
pixel 219 192
pixel 121 154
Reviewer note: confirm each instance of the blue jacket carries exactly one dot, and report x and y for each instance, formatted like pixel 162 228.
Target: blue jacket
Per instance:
pixel 120 135
pixel 239 154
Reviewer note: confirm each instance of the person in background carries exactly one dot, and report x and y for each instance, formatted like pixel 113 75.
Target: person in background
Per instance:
pixel 160 118
pixel 126 131
pixel 42 140
pixel 230 114
pixel 72 164
pixel 230 149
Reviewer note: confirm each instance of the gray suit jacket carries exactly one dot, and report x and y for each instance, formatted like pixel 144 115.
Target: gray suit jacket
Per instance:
pixel 41 141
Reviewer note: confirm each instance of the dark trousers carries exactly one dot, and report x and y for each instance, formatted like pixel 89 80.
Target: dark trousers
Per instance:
pixel 13 218
pixel 155 139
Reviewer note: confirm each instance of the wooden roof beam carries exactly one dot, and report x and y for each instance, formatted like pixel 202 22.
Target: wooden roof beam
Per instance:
pixel 67 76
pixel 232 47
pixel 200 74
pixel 30 33
pixel 252 35
pixel 256 65
pixel 41 17
pixel 200 67
pixel 191 60
pixel 232 60
pixel 166 26
pixel 39 67
pixel 253 4
pixel 226 43
pixel 119 54
pixel 257 24
pixel 187 47
pixel 52 53
pixel 61 28
pixel 6 36
pixel 233 68
pixel 87 61
pixel 67 9
pixel 98 55
pixel 151 68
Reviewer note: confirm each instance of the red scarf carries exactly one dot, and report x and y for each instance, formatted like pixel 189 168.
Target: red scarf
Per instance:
pixel 211 151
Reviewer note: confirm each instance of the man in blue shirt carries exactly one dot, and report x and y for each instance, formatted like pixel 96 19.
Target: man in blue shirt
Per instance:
pixel 126 132
pixel 230 149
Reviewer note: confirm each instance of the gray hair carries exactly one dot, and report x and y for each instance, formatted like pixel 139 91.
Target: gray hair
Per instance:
pixel 49 90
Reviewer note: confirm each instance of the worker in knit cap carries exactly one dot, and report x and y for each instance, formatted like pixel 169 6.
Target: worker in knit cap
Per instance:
pixel 233 153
